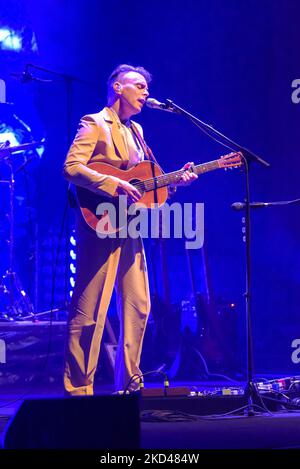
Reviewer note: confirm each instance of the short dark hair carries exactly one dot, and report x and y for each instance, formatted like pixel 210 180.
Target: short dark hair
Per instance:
pixel 124 68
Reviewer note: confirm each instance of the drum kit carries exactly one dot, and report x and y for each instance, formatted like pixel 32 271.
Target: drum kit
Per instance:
pixel 13 298
pixel 15 303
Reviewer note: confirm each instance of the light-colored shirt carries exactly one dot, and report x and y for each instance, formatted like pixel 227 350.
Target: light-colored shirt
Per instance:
pixel 132 145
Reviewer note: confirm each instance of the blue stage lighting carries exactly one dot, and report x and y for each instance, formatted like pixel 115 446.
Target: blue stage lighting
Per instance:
pixel 72 272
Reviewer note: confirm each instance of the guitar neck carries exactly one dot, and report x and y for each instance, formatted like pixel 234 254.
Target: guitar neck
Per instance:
pixel 174 177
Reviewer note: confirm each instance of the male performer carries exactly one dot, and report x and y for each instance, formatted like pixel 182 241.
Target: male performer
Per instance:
pixel 102 264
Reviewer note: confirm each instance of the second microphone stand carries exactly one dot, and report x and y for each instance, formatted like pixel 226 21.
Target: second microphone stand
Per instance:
pixel 248 156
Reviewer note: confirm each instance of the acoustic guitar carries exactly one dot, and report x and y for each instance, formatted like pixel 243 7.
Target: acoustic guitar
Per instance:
pixel 151 182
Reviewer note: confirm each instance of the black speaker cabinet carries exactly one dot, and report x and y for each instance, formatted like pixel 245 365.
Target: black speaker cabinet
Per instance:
pixel 94 422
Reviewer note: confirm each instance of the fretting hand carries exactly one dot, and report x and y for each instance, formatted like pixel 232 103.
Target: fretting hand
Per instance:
pixel 188 176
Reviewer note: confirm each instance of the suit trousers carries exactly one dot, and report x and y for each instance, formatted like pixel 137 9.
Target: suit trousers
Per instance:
pixel 103 264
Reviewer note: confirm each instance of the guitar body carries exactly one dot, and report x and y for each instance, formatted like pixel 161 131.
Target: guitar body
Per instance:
pixel 89 201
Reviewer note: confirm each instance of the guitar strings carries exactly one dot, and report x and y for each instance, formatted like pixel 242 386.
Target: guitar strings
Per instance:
pixel 166 177
pixel 142 184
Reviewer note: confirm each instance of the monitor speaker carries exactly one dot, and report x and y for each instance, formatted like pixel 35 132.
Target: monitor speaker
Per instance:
pixel 94 422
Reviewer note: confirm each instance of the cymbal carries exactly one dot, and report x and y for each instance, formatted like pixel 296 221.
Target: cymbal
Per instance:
pixel 22 147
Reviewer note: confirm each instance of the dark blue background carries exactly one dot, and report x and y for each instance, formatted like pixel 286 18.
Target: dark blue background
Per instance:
pixel 229 62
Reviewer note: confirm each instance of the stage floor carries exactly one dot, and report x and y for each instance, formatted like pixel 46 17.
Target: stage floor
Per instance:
pixel 203 417
pixel 186 423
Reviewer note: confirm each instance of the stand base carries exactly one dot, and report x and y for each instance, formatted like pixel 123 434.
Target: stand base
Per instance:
pixel 13 299
pixel 253 399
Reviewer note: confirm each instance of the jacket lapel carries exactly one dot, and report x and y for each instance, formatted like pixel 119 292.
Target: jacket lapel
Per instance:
pixel 116 133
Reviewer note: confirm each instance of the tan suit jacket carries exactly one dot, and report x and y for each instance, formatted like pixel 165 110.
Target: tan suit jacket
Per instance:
pixel 98 139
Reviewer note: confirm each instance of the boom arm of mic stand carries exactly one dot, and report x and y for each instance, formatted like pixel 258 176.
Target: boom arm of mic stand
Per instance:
pixel 246 152
pixel 65 76
pixel 242 205
pixel 282 202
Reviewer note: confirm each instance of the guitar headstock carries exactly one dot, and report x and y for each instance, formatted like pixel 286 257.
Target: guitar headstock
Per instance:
pixel 232 160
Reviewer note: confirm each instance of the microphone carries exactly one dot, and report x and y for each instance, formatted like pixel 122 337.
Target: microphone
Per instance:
pixel 154 104
pixel 242 205
pixel 26 76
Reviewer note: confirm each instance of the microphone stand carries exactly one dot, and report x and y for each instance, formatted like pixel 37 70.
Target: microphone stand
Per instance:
pixel 248 156
pixel 68 79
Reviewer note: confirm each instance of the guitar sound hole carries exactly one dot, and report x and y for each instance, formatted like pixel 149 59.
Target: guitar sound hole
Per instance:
pixel 139 185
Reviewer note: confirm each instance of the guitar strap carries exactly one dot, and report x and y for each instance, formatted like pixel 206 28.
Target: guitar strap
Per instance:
pixel 148 153
pixel 147 150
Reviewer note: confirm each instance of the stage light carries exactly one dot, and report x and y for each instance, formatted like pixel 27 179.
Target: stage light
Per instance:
pixel 72 273
pixel 72 255
pixel 72 240
pixel 16 136
pixel 10 40
pixel 23 40
pixel 9 136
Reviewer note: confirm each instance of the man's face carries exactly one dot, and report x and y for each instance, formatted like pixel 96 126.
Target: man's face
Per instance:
pixel 132 90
